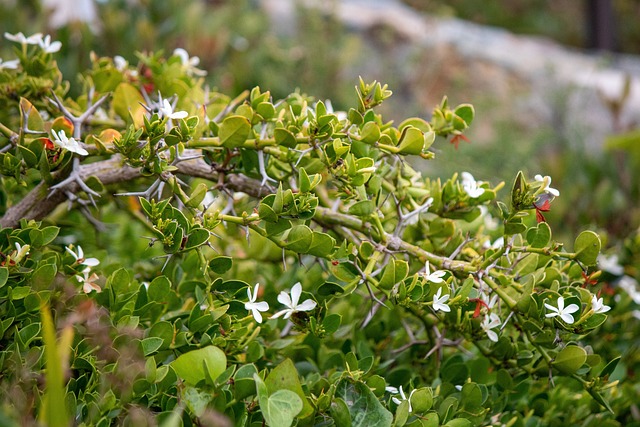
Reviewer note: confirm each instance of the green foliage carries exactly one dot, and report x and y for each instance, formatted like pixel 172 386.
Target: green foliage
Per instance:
pixel 388 279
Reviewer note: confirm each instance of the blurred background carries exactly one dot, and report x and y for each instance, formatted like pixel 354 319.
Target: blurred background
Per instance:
pixel 555 83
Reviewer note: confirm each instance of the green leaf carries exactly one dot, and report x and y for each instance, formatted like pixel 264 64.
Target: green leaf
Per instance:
pixel 280 408
pixel 266 110
pixel 459 422
pixel 267 213
pixel 53 411
pixel 299 239
pixel 465 112
pixel 285 138
pixel 191 366
pixel 151 345
pixel 587 247
pixel 539 236
pixel 570 359
pixel 30 113
pixel 43 276
pixel 4 275
pixel 159 289
pixel 221 264
pixel 331 323
pixel 364 407
pixel 196 400
pixel 234 131
pixel 322 244
pixel 197 237
pixel 362 208
pixel 283 405
pixel 422 400
pixel 340 413
pixel 395 271
pixel 243 382
pixel 610 367
pixel 285 377
pixel 330 289
pixel 197 195
pixel 128 103
pixel 471 396
pixel 412 141
pixel 370 133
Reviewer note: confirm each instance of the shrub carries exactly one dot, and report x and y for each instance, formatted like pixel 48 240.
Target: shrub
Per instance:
pixel 251 260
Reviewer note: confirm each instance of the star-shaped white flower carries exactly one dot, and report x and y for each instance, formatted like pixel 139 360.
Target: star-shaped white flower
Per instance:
pixel 435 277
pixel 190 64
pixel 22 39
pixel 399 391
pixel 598 306
pixel 291 302
pixel 565 313
pixel 9 65
pixel 490 322
pixel 546 180
pixel 69 144
pixel 439 302
pixel 471 186
pixel 166 110
pixel 80 259
pixel 88 281
pixel 255 307
pixel 49 47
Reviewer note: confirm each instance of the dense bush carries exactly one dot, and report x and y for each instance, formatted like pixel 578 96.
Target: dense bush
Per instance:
pixel 172 255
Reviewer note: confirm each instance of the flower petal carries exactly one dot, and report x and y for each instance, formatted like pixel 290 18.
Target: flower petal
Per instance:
pixel 552 308
pixel 567 318
pixel 296 291
pixel 307 305
pixel 571 308
pixel 285 299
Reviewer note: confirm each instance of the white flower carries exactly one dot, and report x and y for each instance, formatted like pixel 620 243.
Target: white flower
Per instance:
pixel 490 302
pixel 166 110
pixel 630 286
pixel 9 65
pixel 24 250
pixel 438 303
pixel 546 180
pixel 435 277
pixel 87 281
pixel 291 302
pixel 499 243
pixel 399 390
pixel 471 186
pixel 120 63
pixel 490 322
pixel 65 12
pixel 189 63
pixel 21 252
pixel 562 311
pixel 610 264
pixel 69 144
pixel 49 47
pixel 255 307
pixel 80 259
pixel 598 306
pixel 22 39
